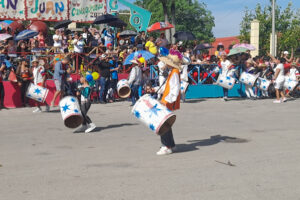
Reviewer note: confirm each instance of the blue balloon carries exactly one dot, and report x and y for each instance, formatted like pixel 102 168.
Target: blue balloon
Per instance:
pixel 89 78
pixel 163 51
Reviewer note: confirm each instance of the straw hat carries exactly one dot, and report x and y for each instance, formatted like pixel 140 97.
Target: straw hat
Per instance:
pixel 34 60
pixel 171 60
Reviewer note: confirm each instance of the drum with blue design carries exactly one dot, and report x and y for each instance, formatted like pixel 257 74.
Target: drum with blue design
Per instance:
pixel 290 84
pixel 263 84
pixel 183 87
pixel 248 79
pixel 37 93
pixel 123 88
pixel 226 81
pixel 70 112
pixel 153 114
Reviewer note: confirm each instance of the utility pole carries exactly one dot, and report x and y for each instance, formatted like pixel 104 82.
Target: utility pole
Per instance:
pixel 273 29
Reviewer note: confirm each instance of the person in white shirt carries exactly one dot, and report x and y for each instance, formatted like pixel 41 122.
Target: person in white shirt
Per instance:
pixel 226 66
pixel 38 72
pixel 78 43
pixel 135 80
pixel 278 79
pixel 57 38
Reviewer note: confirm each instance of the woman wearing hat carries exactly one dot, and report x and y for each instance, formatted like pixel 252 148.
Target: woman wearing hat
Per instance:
pixel 171 99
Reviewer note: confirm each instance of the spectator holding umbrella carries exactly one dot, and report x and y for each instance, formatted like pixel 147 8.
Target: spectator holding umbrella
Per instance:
pixel 162 41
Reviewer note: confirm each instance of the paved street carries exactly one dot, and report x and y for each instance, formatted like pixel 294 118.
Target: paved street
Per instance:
pixel 234 150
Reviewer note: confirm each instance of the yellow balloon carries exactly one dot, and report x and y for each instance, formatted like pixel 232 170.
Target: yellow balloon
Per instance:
pixel 95 75
pixel 142 60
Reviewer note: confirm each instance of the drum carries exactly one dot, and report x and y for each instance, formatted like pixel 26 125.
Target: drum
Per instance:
pixel 37 93
pixel 248 79
pixel 153 114
pixel 184 86
pixel 290 84
pixel 70 112
pixel 263 84
pixel 226 81
pixel 123 88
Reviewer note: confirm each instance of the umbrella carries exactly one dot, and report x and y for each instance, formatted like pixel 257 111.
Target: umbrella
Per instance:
pixel 160 26
pixel 62 24
pixel 203 46
pixel 244 45
pixel 183 35
pixel 104 19
pixel 118 23
pixel 4 36
pixel 128 33
pixel 5 24
pixel 237 51
pixel 26 34
pixel 145 54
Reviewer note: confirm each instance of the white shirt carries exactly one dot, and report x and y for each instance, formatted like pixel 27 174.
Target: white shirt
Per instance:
pixel 280 77
pixel 57 40
pixel 37 74
pixel 184 73
pixel 174 88
pixel 78 46
pixel 293 72
pixel 225 67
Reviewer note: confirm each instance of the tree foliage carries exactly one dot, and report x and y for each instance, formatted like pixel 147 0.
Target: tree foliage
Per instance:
pixel 287 26
pixel 190 15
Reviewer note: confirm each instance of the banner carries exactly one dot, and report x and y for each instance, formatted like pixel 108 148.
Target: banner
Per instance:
pixel 12 9
pixel 52 10
pixel 48 10
pixel 86 10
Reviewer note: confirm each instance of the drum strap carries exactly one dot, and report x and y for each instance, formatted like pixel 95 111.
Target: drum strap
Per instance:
pixel 161 86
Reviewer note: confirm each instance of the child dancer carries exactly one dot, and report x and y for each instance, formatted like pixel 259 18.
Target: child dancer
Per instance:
pixel 85 104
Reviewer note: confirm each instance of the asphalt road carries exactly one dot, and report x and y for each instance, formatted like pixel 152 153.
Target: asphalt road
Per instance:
pixel 234 150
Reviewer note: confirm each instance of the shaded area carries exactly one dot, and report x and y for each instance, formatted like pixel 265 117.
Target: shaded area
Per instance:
pixel 194 144
pixel 98 129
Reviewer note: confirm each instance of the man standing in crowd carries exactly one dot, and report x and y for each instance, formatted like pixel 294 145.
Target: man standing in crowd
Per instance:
pixel 135 80
pixel 61 72
pixel 162 41
pixel 104 67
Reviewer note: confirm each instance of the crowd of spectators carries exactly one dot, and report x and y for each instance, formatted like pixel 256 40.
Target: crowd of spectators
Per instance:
pixel 104 52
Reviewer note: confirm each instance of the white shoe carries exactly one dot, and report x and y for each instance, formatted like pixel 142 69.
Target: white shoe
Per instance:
pixel 284 99
pixel 225 99
pixel 277 101
pixel 47 108
pixel 81 129
pixel 164 151
pixel 37 110
pixel 92 126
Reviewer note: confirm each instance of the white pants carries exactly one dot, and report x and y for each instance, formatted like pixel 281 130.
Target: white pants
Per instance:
pixel 249 91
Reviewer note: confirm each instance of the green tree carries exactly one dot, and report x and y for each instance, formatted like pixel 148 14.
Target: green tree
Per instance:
pixel 287 26
pixel 187 15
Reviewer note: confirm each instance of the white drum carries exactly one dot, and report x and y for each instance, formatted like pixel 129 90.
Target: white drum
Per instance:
pixel 263 84
pixel 248 79
pixel 70 112
pixel 123 88
pixel 37 93
pixel 184 86
pixel 226 81
pixel 290 84
pixel 153 114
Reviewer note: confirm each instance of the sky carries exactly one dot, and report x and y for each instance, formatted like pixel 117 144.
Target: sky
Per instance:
pixel 229 13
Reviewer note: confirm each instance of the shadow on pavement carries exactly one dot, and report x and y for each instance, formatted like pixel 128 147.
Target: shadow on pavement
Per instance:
pixel 98 129
pixel 194 100
pixel 194 144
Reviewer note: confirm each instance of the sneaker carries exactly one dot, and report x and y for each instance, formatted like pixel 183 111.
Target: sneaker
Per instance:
pixel 225 99
pixel 37 110
pixel 277 101
pixel 81 129
pixel 284 99
pixel 164 151
pixel 92 126
pixel 47 108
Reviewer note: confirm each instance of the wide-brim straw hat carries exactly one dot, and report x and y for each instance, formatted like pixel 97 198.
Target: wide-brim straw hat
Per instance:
pixel 171 60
